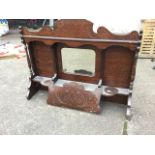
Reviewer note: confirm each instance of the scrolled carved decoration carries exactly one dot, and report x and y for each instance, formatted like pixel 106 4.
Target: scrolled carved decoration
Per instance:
pixel 79 29
pixel 73 95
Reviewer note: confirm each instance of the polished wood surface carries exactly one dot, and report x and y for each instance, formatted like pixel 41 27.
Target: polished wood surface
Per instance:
pixel 116 55
pixel 73 95
pixel 79 28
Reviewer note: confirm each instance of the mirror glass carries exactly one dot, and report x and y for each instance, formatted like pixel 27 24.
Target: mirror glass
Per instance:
pixel 78 61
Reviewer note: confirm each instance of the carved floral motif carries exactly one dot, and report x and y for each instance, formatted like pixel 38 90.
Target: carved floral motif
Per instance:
pixel 73 95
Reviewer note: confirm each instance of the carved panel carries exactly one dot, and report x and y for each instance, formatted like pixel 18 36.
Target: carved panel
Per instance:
pixel 44 59
pixel 118 62
pixel 73 95
pixel 80 28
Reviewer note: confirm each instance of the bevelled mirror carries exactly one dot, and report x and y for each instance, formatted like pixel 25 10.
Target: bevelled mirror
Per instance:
pixel 78 61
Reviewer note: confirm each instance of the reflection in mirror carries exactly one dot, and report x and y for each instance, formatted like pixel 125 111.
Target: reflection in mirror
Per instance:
pixel 78 61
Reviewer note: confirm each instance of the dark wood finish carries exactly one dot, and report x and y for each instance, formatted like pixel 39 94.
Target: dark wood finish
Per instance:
pixel 117 64
pixel 82 29
pixel 90 79
pixel 43 66
pixel 73 95
pixel 116 55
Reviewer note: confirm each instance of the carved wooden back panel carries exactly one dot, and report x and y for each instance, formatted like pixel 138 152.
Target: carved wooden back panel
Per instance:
pixel 117 64
pixel 43 57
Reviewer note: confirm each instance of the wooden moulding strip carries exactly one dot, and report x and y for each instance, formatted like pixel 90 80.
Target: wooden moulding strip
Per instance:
pixel 83 39
pixel 121 91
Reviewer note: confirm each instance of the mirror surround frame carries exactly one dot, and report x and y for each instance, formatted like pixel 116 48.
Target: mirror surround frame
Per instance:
pixel 77 77
pixel 86 72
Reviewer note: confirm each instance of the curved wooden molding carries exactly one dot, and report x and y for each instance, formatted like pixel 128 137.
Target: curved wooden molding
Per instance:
pixel 79 28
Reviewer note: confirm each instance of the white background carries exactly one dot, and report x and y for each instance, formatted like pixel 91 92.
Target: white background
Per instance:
pixel 120 16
